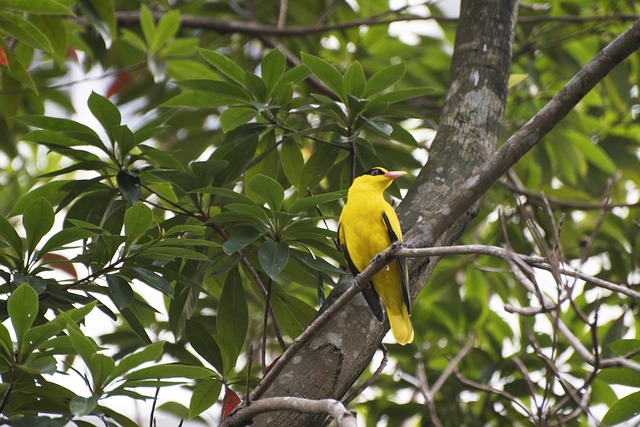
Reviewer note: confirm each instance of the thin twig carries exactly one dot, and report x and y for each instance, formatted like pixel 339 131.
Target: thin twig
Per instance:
pixel 372 379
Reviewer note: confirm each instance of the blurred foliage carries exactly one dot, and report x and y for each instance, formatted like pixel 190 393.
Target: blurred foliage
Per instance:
pixel 222 184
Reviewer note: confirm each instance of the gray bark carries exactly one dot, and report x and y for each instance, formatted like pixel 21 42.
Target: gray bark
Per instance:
pixel 330 364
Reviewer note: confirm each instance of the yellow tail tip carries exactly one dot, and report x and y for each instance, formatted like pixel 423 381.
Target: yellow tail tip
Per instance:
pixel 401 327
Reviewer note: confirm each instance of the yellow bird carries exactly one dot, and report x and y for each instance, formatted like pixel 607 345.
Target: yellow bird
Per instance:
pixel 368 225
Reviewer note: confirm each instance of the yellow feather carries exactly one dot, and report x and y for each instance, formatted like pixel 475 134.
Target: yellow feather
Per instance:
pixel 363 233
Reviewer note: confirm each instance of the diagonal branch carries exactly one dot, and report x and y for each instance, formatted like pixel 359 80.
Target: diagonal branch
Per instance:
pixel 334 408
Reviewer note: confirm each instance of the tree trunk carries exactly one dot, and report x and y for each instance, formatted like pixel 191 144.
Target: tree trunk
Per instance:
pixel 329 365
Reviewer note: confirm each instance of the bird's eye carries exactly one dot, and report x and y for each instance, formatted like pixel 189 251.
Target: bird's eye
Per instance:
pixel 374 172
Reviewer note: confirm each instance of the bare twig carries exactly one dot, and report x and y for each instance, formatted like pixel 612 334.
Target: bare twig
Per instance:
pixel 334 408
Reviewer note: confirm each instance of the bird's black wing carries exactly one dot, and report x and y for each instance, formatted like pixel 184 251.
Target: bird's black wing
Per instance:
pixel 369 292
pixel 402 264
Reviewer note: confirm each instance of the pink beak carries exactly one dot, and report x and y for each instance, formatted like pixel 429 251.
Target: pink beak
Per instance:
pixel 394 174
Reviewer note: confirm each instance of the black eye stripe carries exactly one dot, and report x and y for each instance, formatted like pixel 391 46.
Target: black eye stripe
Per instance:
pixel 374 172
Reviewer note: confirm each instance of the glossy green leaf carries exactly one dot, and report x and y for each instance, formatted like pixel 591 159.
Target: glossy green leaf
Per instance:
pixel 383 79
pixel 147 24
pixel 102 17
pixel 268 189
pixel 326 73
pixel 102 109
pixel 170 370
pixel 22 307
pixel 80 406
pixel 623 410
pixel 24 30
pixel 167 28
pixel 319 199
pixel 154 280
pixel 273 257
pixel 150 353
pixel 272 67
pixel 292 161
pixel 204 395
pixel 120 291
pixel 9 235
pixel 65 237
pixel 204 344
pixel 233 314
pixel 232 118
pixel 239 242
pixel 48 7
pixel 224 65
pixel 137 220
pixel 354 79
pixel 66 127
pixel 129 186
pixel 38 218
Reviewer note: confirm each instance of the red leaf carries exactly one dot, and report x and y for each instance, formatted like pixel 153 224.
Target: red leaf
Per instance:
pixel 3 58
pixel 61 263
pixel 230 401
pixel 71 53
pixel 121 81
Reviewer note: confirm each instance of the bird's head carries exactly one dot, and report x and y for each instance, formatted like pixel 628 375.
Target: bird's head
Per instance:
pixel 376 179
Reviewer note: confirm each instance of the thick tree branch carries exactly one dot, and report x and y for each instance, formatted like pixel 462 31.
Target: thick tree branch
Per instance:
pixel 430 228
pixel 334 408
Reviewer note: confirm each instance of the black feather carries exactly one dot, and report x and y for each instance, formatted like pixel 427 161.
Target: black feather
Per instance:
pixel 402 264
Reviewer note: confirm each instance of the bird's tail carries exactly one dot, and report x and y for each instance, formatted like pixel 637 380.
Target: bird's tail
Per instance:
pixel 401 326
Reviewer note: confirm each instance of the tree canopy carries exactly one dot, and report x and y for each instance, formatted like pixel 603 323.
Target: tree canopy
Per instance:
pixel 174 226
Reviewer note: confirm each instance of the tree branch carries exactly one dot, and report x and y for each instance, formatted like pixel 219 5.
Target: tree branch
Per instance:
pixel 334 408
pixel 429 229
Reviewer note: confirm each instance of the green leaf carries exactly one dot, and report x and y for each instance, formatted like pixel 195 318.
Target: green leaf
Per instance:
pixel 80 406
pixel 38 218
pixel 224 65
pixel 623 410
pixel 167 28
pixel 239 242
pixel 147 24
pixel 312 201
pixel 595 155
pixel 204 344
pixel 6 344
pixel 66 127
pixel 8 234
pixel 102 109
pixel 170 370
pixel 64 237
pixel 269 190
pixel 232 118
pixel 326 73
pixel 383 79
pixel 137 220
pixel 101 368
pixel 101 15
pixel 125 139
pixel 154 280
pixel 292 161
pixel 24 31
pixel 272 67
pixel 399 95
pixel 151 353
pixel 129 186
pixel 37 283
pixel 22 308
pixel 204 395
pixel 233 315
pixel 120 290
pixel 48 7
pixel 83 345
pixel 292 313
pixel 354 79
pixel 273 257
